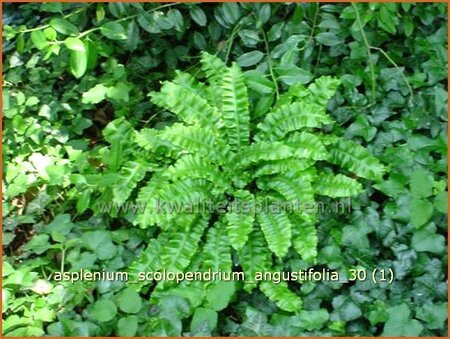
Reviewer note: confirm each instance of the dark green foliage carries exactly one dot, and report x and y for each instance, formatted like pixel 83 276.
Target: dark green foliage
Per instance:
pixel 97 112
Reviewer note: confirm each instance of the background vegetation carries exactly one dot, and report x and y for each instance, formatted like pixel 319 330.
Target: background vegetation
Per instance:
pixel 73 74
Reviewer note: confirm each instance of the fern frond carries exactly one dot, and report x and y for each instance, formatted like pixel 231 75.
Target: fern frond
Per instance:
pixel 264 151
pixel 289 118
pixel 283 166
pixel 336 186
pixel 294 93
pixel 240 223
pixel 147 197
pixel 322 89
pixel 277 231
pixel 185 103
pixel 187 81
pixel 213 67
pixel 307 146
pixel 149 259
pixel 177 253
pixel 356 159
pixel 195 167
pixel 254 257
pixel 293 188
pixel 282 296
pixel 130 174
pixel 216 252
pixel 304 238
pixel 235 113
pixel 186 191
pixel 196 140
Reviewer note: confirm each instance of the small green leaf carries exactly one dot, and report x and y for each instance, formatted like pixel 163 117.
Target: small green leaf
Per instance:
pixel 291 74
pixel 421 211
pixel 129 301
pixel 441 202
pixel 75 44
pixel 198 15
pixel 220 294
pixel 63 26
pixel 103 310
pixel 428 241
pixel 127 327
pixel 202 317
pixel 78 63
pixel 408 27
pixel 328 39
pixel 421 184
pixel 231 12
pixel 250 58
pixel 113 31
pixel 38 39
pixel 400 324
pixel 94 95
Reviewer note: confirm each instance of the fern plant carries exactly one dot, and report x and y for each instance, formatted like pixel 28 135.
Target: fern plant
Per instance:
pixel 219 151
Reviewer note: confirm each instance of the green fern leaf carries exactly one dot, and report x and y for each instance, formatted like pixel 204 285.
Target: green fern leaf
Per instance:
pixel 264 151
pixel 307 146
pixel 188 105
pixel 323 89
pixel 177 253
pixel 254 257
pixel 282 296
pixel 293 117
pixel 130 175
pixel 213 67
pixel 235 113
pixel 283 166
pixel 277 231
pixel 195 167
pixel 196 140
pixel 294 188
pixel 149 260
pixel 216 253
pixel 240 223
pixel 337 186
pixel 356 159
pixel 304 238
pixel 147 197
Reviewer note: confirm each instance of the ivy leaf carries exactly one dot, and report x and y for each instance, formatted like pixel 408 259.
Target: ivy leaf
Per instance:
pixel 202 317
pixel 421 184
pixel 129 301
pixel 400 324
pixel 127 327
pixel 113 31
pixel 95 95
pixel 421 211
pixel 428 241
pixel 219 295
pixel 103 310
pixel 434 315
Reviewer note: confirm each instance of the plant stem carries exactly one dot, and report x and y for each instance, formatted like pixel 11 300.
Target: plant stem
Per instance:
pixel 411 93
pixel 269 59
pixel 63 259
pixel 372 69
pixel 230 43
